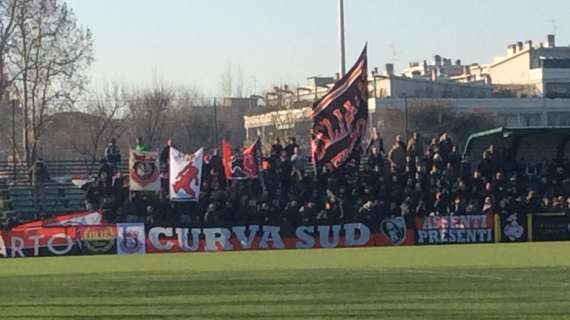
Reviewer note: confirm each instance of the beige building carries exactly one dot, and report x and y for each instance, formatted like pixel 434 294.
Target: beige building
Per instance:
pixel 440 68
pixel 513 89
pixel 527 70
pixel 511 112
pixel 393 86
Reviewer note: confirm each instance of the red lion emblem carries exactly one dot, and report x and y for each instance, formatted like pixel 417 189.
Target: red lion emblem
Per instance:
pixel 185 179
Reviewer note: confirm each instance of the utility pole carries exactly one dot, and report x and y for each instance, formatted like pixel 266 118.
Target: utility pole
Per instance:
pixel 340 12
pixel 14 139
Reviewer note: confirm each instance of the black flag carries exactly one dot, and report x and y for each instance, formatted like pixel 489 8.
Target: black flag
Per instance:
pixel 340 117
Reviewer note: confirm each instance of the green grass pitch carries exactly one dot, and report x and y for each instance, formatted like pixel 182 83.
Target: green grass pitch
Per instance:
pixel 493 281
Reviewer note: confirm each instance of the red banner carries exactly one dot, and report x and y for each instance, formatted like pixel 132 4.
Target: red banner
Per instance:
pixel 241 164
pixel 56 241
pixel 77 232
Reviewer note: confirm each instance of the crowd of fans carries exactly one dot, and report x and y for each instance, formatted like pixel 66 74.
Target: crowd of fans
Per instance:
pixel 407 179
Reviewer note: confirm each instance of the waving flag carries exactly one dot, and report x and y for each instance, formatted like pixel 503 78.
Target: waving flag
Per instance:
pixel 340 117
pixel 241 164
pixel 185 173
pixel 67 219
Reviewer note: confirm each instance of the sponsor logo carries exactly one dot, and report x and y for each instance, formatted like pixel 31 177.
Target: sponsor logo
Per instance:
pixel 130 238
pixel 513 230
pixel 130 241
pixel 99 239
pixel 394 229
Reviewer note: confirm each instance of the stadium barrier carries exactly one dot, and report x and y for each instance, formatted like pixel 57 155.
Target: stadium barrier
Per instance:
pixel 86 233
pixel 513 228
pixel 549 226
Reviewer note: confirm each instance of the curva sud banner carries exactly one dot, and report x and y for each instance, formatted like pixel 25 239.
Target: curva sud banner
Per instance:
pixel 454 229
pixel 390 232
pixel 133 238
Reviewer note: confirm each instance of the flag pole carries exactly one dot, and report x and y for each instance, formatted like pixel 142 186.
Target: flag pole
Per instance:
pixel 340 14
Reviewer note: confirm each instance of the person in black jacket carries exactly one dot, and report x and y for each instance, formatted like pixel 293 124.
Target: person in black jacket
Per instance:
pixel 39 176
pixel 113 154
pixel 276 148
pixel 290 148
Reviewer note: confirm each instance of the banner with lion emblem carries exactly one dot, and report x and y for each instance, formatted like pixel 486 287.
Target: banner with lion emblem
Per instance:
pixel 144 171
pixel 185 173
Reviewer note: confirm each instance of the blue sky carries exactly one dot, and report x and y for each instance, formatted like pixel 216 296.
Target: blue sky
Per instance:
pixel 192 42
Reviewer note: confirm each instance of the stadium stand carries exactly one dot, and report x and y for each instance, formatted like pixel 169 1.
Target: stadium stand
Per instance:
pixel 61 195
pixel 419 178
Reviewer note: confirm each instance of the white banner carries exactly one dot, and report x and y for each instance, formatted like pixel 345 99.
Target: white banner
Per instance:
pixel 144 171
pixel 85 219
pixel 185 173
pixel 2 246
pixel 130 238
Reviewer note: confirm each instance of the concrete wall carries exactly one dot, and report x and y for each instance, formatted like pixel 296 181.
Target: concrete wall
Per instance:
pixel 512 70
pixel 384 86
pixel 507 111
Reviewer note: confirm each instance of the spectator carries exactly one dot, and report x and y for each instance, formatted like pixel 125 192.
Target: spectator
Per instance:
pixel 276 148
pixel 212 215
pixel 93 196
pixel 105 174
pixel 290 148
pixel 459 207
pixel 375 160
pixel 141 146
pixel 397 154
pixel 113 155
pixel 487 166
pixel 298 162
pixel 445 145
pixel 441 206
pixel 375 142
pixel 415 147
pixel 39 176
pixel 488 207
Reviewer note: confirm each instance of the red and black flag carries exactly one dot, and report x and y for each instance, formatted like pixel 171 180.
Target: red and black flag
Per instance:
pixel 242 164
pixel 340 117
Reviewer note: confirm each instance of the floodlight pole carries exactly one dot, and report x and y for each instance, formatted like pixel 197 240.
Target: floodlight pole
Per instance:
pixel 340 13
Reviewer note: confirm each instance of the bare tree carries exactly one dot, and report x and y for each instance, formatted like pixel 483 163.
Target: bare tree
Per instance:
pixel 51 55
pixel 8 10
pixel 149 111
pixel 101 122
pixel 226 81
pixel 239 92
pixel 192 125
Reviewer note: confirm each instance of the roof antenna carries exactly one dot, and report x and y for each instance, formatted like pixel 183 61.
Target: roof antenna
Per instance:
pixel 554 26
